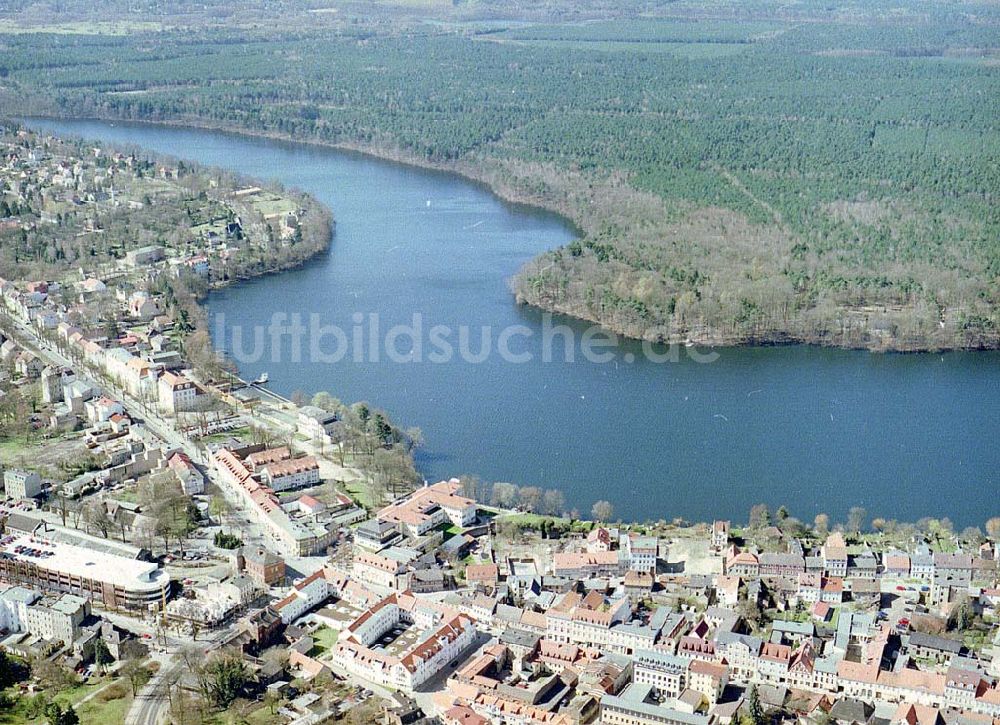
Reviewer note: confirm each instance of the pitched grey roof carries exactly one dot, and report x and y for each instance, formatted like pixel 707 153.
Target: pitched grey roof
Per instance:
pixel 851 710
pixel 782 560
pixel 519 637
pixel 725 638
pixel 931 641
pixel 507 613
pixel 797 628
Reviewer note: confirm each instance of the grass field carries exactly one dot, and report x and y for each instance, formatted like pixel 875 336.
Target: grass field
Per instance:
pixel 11 27
pixel 109 705
pixel 358 491
pixel 271 204
pixel 324 639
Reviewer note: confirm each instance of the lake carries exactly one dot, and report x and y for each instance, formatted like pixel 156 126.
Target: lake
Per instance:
pixel 817 430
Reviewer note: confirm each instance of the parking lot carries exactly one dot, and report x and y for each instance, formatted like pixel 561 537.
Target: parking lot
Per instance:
pixel 901 603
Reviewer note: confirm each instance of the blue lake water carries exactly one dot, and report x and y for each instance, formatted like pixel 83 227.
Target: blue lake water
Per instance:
pixel 814 429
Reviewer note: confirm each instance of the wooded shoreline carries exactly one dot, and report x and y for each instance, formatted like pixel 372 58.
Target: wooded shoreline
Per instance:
pixel 489 173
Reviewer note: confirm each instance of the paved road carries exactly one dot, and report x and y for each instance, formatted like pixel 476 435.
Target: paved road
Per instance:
pixel 151 703
pixel 152 698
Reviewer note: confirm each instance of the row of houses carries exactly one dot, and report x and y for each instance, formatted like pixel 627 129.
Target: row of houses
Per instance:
pixel 301 527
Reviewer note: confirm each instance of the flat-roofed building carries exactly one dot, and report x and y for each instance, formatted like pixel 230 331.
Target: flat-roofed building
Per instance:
pixel 376 534
pixel 114 581
pixel 13 602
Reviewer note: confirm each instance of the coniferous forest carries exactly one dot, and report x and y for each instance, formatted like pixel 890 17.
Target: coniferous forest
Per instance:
pixel 740 172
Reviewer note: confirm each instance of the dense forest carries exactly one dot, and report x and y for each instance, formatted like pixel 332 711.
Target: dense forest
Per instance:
pixel 753 172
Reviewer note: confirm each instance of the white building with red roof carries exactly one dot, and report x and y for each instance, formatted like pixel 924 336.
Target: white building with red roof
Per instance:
pixel 191 479
pixel 429 507
pixel 177 393
pixel 442 635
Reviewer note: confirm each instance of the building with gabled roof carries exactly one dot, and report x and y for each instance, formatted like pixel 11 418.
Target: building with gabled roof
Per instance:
pixel 443 634
pixel 431 506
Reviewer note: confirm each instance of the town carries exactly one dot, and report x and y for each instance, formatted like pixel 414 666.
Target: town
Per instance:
pixel 180 545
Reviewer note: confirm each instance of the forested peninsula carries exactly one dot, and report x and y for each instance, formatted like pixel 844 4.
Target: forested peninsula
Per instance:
pixel 753 175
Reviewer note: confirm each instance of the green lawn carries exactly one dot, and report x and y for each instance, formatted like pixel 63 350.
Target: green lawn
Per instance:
pixel 239 433
pixel 449 530
pixel 324 639
pixel 534 521
pixel 529 520
pixel 270 204
pixel 107 706
pixel 242 714
pixel 96 710
pixel 13 448
pixel 359 492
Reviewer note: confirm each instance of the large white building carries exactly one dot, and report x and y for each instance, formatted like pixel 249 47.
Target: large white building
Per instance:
pixel 444 635
pixel 429 507
pixel 114 581
pixel 13 603
pixel 20 484
pixel 55 619
pixel 177 393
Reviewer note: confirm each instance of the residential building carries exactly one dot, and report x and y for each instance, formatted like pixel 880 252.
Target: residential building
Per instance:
pixel 667 674
pixel 444 635
pixel 639 552
pixel 781 565
pixel 637 705
pixel 57 619
pixel 598 540
pixel 834 553
pixel 720 535
pixel 583 565
pixel 431 506
pixel 191 479
pixel 177 393
pixel 265 567
pixel 304 596
pixel 19 484
pixel 378 570
pixel 290 473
